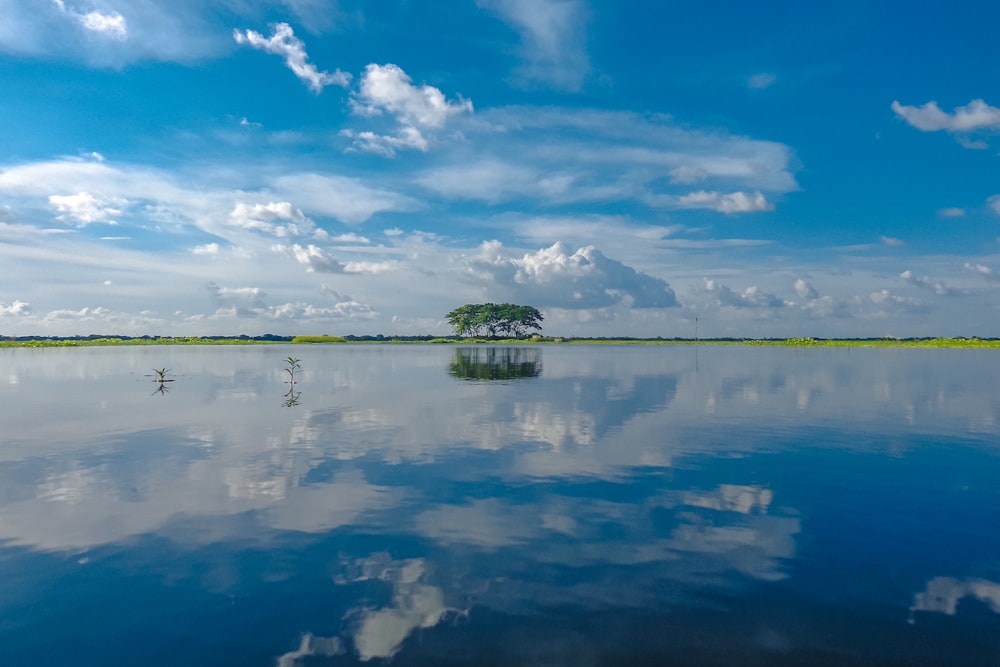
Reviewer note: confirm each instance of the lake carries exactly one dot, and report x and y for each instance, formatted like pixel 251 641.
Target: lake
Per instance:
pixel 477 505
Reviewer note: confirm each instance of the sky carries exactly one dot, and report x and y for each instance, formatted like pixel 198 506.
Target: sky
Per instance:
pixel 632 168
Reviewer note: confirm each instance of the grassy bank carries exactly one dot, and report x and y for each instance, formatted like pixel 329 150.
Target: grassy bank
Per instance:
pixel 297 340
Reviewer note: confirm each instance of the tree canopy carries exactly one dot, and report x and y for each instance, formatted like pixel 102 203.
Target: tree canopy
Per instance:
pixel 495 319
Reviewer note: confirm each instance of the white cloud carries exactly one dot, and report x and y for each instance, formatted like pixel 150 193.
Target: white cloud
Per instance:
pixel 952 212
pixel 111 24
pixel 891 241
pixel 979 269
pixel 83 208
pixel 558 277
pixel 734 202
pixel 387 88
pixel 494 181
pixel 242 301
pixel 206 249
pixel 348 238
pixel 805 290
pixel 319 260
pixel 268 217
pixel 283 42
pixel 15 309
pixel 553 35
pixel 975 115
pixel 346 199
pixel 346 310
pixel 751 297
pixel 314 257
pixel 761 80
pixel 387 145
pixel 562 156
pixel 892 303
pixel 994 203
pixel 926 283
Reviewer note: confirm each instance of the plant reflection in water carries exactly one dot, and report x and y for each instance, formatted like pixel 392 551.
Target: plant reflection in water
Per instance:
pixel 159 376
pixel 496 363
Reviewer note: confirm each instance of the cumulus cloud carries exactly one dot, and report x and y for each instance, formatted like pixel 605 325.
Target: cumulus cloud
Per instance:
pixel 83 208
pixel 889 303
pixel 85 314
pixel 111 24
pixel 751 297
pixel 15 309
pixel 560 277
pixel 387 89
pixel 936 286
pixel 805 290
pixel 980 269
pixel 553 40
pixel 206 249
pixel 385 144
pixel 319 260
pixel 975 115
pixel 278 218
pixel 314 257
pixel 251 302
pixel 284 43
pixel 344 310
pixel 734 202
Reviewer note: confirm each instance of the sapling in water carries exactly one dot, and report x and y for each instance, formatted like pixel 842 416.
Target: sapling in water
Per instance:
pixel 291 366
pixel 292 396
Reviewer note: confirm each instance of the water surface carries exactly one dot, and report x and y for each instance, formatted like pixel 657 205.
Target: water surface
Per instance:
pixel 450 505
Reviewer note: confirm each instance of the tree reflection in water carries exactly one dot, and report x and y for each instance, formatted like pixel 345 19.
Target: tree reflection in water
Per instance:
pixel 496 363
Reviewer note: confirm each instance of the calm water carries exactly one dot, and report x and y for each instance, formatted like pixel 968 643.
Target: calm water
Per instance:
pixel 441 505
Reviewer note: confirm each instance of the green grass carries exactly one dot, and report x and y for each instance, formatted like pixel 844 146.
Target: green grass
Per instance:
pixel 112 341
pixel 319 339
pixel 770 342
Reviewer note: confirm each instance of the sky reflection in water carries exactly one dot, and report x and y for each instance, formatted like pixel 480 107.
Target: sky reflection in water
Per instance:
pixel 506 505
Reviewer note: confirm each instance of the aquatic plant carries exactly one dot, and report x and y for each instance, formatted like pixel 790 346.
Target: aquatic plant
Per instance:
pixel 291 367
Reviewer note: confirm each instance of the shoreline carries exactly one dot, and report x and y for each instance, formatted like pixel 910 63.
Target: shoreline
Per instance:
pixel 110 341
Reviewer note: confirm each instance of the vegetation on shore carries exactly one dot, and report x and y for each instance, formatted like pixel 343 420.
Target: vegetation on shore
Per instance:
pixel 83 341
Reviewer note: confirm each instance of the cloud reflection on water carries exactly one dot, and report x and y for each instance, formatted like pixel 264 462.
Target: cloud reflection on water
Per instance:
pixel 617 462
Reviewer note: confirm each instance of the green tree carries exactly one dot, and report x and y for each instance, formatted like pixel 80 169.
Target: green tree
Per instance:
pixel 495 319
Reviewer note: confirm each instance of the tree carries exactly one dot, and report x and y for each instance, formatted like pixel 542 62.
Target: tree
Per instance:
pixel 495 319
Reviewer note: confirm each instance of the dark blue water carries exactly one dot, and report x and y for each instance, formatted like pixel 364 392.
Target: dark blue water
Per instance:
pixel 441 505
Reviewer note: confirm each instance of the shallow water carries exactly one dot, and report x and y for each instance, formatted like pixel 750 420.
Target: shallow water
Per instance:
pixel 557 505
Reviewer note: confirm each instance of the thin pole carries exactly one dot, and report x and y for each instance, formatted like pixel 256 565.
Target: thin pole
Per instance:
pixel 696 329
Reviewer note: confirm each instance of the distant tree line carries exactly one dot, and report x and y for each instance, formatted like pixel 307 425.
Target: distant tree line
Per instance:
pixel 495 320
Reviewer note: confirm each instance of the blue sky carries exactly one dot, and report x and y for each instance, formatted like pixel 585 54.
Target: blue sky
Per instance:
pixel 358 167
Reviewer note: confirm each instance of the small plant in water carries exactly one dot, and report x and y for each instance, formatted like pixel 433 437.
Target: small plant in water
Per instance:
pixel 291 367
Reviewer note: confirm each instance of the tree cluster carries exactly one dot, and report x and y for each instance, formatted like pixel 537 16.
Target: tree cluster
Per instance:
pixel 494 320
